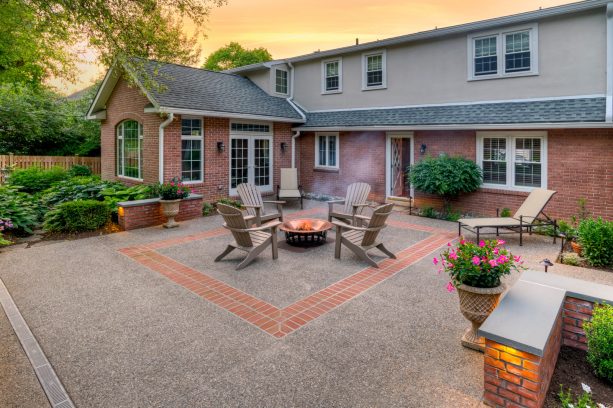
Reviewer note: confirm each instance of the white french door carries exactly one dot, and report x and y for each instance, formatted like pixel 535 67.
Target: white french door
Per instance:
pixel 399 149
pixel 251 162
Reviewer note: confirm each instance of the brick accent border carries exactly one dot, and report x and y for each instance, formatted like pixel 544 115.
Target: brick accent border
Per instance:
pixel 516 379
pixel 279 322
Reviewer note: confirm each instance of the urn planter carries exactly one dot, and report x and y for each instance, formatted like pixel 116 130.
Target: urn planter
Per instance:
pixel 577 247
pixel 476 304
pixel 170 209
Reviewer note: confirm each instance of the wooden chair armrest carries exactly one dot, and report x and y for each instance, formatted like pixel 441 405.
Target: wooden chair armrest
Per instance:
pixel 343 225
pixel 267 226
pixel 252 206
pixel 274 202
pixel 336 202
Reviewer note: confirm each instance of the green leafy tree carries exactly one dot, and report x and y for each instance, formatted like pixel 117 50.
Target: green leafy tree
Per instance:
pixel 235 55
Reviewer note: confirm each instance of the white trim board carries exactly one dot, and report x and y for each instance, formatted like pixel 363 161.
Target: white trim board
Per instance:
pixel 218 114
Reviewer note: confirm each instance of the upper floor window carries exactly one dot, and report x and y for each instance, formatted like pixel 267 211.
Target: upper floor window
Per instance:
pixel 374 70
pixel 281 81
pixel 326 150
pixel 504 53
pixel 513 160
pixel 191 149
pixel 130 149
pixel 332 76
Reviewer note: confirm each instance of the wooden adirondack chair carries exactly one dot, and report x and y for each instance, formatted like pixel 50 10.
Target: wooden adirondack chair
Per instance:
pixel 252 240
pixel 289 187
pixel 361 239
pixel 354 203
pixel 252 200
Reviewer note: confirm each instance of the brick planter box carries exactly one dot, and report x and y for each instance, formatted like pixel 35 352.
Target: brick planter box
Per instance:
pixel 147 213
pixel 524 334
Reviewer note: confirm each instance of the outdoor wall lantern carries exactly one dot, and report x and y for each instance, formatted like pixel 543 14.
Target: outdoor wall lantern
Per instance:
pixel 422 149
pixel 283 146
pixel 221 147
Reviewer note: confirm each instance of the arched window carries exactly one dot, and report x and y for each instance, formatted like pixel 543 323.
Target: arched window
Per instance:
pixel 130 149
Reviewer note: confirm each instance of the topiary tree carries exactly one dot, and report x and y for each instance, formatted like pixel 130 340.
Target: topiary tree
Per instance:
pixel 445 176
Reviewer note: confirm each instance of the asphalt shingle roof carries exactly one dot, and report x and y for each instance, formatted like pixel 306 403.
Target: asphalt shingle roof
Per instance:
pixel 193 88
pixel 551 111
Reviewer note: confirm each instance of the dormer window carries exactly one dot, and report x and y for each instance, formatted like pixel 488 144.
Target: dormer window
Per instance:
pixel 502 54
pixel 374 74
pixel 281 81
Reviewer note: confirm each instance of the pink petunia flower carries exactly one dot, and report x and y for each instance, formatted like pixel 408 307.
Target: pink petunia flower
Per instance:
pixel 453 255
pixel 501 242
pixel 502 259
pixel 448 243
pixel 482 244
pixel 493 263
pixel 435 261
pixel 462 242
pixel 496 251
pixel 476 260
pixel 450 287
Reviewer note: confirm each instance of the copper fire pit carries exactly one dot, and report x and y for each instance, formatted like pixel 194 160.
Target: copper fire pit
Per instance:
pixel 305 232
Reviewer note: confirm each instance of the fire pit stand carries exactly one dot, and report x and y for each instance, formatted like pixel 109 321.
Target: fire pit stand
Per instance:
pixel 306 232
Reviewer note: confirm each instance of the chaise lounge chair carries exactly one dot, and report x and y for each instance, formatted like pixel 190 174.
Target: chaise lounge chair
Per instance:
pixel 251 240
pixel 252 200
pixel 523 220
pixel 361 239
pixel 354 203
pixel 289 188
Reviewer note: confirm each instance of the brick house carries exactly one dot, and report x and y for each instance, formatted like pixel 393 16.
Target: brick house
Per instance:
pixel 529 97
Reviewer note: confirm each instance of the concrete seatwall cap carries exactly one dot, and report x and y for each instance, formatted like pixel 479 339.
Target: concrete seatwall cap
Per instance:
pixel 136 203
pixel 527 314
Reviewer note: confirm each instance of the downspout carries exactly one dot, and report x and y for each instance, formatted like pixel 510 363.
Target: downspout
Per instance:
pixel 163 125
pixel 291 102
pixel 609 44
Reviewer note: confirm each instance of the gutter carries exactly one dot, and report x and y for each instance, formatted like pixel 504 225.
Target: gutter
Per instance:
pixel 609 96
pixel 475 126
pixel 290 100
pixel 163 125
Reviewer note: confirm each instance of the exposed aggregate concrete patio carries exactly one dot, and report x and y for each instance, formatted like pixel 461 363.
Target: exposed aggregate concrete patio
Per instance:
pixel 120 334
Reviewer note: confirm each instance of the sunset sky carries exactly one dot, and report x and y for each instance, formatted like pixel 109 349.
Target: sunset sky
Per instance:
pixel 292 27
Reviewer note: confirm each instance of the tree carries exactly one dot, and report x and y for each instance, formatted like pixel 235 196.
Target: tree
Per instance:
pixel 35 33
pixel 234 55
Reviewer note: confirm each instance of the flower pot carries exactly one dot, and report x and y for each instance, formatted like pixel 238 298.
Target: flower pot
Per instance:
pixel 170 209
pixel 476 304
pixel 577 247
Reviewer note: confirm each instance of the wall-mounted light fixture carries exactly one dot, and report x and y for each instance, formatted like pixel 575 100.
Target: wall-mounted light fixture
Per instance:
pixel 221 147
pixel 283 146
pixel 422 148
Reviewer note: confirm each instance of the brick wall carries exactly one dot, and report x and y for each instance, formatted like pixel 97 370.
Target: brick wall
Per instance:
pixel 580 165
pixel 128 102
pixel 149 213
pixel 516 379
pixel 361 158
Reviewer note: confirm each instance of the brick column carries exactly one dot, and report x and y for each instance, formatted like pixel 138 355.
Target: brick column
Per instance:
pixel 576 311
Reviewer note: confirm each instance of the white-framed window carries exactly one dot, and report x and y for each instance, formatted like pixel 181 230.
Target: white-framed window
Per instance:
pixel 130 149
pixel 281 81
pixel 513 160
pixel 326 150
pixel 192 151
pixel 505 53
pixel 332 76
pixel 374 67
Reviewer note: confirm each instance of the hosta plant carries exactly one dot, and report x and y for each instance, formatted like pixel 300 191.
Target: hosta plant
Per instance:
pixel 4 225
pixel 480 265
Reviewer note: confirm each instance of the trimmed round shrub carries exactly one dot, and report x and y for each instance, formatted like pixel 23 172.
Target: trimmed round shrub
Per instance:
pixel 77 216
pixel 35 179
pixel 445 176
pixel 596 236
pixel 599 333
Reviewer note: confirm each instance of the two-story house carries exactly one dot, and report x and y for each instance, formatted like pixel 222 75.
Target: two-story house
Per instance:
pixel 529 97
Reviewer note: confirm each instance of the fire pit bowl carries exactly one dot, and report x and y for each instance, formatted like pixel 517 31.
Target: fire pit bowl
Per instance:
pixel 305 232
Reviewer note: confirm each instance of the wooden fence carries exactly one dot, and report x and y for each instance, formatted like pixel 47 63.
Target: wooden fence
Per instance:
pixel 46 162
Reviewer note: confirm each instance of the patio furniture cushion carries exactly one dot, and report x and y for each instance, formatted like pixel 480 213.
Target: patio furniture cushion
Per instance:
pixel 289 194
pixel 491 222
pixel 534 204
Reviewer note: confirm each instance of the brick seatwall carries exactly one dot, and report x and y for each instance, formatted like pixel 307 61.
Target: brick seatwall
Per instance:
pixel 148 213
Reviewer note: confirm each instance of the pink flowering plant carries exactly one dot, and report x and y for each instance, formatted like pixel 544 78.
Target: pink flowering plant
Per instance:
pixel 478 265
pixel 173 190
pixel 4 225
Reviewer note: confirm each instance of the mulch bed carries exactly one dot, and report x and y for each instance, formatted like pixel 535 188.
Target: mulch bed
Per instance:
pixel 571 370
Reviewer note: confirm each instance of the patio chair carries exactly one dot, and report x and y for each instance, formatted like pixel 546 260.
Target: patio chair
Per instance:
pixel 252 200
pixel 526 218
pixel 289 187
pixel 354 203
pixel 361 239
pixel 252 240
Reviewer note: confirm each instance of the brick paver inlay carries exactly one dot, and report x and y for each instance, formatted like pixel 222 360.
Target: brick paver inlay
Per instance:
pixel 279 322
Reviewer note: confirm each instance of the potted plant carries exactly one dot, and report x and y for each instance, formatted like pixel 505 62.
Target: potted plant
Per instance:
pixel 171 195
pixel 475 271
